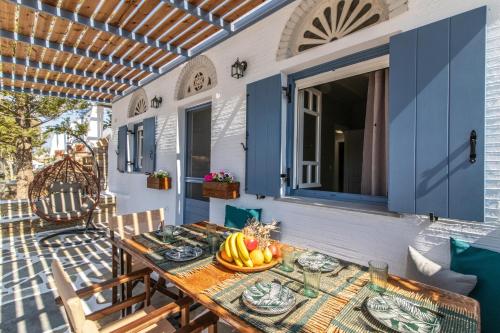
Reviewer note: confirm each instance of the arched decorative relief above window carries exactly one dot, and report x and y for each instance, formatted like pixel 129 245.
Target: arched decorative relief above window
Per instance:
pixel 317 22
pixel 198 75
pixel 138 103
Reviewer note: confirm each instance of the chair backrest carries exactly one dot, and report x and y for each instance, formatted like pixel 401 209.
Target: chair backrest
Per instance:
pixel 133 224
pixel 65 197
pixel 72 303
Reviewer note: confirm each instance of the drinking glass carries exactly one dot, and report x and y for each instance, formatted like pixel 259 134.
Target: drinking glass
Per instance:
pixel 168 232
pixel 288 258
pixel 211 229
pixel 213 243
pixel 312 278
pixel 379 272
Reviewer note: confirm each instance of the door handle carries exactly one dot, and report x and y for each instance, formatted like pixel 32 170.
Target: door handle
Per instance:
pixel 472 142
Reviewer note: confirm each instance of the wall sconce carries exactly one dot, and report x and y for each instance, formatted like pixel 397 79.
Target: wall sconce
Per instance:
pixel 238 68
pixel 156 102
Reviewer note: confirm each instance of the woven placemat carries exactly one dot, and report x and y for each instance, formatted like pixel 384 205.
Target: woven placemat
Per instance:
pixel 313 316
pixel 332 281
pixel 187 237
pixel 355 319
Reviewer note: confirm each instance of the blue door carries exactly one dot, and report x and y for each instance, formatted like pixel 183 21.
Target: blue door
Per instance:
pixel 198 141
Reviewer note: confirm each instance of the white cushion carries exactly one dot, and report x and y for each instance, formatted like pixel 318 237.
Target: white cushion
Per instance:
pixel 424 270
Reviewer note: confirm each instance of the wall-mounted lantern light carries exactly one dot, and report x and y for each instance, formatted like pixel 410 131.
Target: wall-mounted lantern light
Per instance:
pixel 238 68
pixel 156 102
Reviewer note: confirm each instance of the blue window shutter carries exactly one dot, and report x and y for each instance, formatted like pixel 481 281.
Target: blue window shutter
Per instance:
pixel 122 148
pixel 432 119
pixel 402 122
pixel 263 155
pixel 467 104
pixel 436 100
pixel 149 145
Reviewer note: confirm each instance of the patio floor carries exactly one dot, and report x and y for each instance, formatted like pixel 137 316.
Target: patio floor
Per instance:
pixel 27 289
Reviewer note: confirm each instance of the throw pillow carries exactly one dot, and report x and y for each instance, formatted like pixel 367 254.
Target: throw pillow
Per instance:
pixel 427 271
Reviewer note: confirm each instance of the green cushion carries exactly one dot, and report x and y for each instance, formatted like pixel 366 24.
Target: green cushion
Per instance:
pixel 238 217
pixel 485 264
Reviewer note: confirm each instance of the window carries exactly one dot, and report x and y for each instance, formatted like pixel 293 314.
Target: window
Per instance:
pixel 139 147
pixel 341 136
pixel 310 138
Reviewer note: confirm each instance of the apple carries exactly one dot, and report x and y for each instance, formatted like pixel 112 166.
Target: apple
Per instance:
pixel 251 243
pixel 275 250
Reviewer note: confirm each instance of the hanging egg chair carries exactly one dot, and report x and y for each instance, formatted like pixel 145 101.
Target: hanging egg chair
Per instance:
pixel 66 191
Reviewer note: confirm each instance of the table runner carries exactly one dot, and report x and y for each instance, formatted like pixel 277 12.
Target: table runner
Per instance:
pixel 352 320
pixel 189 236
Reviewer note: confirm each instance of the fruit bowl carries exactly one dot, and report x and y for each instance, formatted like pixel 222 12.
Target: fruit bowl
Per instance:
pixel 236 268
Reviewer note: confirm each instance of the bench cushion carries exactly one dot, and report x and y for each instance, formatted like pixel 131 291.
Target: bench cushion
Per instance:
pixel 485 264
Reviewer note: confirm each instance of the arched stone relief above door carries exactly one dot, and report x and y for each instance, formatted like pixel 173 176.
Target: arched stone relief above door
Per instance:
pixel 138 103
pixel 317 22
pixel 197 76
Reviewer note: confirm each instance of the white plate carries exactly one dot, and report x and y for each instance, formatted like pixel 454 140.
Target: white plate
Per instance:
pixel 183 253
pixel 402 315
pixel 268 298
pixel 327 263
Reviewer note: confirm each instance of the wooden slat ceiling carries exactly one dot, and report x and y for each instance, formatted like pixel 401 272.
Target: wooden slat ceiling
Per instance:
pixel 111 46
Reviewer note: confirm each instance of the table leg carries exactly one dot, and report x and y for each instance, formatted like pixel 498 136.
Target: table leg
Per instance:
pixel 122 287
pixel 114 273
pixel 128 260
pixel 184 316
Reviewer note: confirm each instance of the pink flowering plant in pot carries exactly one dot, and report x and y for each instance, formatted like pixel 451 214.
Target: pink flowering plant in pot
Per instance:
pixel 221 185
pixel 220 177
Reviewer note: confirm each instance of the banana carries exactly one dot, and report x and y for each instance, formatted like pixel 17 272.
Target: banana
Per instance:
pixel 242 249
pixel 227 247
pixel 238 262
pixel 248 263
pixel 234 249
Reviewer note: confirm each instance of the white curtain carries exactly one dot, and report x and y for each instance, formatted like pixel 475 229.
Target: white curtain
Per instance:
pixel 374 170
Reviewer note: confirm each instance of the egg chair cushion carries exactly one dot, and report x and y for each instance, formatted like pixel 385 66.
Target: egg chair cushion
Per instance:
pixel 65 197
pixel 44 206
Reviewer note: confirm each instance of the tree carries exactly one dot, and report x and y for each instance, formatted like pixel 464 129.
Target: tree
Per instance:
pixel 23 118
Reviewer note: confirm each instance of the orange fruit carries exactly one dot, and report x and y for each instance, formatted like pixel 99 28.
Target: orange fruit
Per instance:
pixel 257 257
pixel 224 256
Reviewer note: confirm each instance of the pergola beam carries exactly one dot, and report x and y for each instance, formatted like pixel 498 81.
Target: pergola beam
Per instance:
pixel 199 13
pixel 15 77
pixel 101 26
pixel 51 93
pixel 65 70
pixel 17 37
pixel 261 12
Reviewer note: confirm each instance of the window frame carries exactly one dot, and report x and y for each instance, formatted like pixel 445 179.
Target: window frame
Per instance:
pixel 137 161
pixel 351 65
pixel 300 163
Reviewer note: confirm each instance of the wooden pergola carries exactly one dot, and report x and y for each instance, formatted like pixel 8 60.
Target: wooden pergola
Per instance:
pixel 100 50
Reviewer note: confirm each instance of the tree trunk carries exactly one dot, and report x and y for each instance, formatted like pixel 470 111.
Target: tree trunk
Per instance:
pixel 24 168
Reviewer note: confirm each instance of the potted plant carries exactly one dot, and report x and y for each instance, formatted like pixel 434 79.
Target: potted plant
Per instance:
pixel 159 180
pixel 221 185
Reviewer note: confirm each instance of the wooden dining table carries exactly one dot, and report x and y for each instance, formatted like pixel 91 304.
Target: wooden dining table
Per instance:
pixel 195 284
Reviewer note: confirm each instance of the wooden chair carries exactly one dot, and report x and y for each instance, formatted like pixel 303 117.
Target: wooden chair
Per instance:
pixel 125 227
pixel 148 319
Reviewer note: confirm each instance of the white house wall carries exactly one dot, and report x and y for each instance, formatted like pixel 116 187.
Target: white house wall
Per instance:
pixel 352 235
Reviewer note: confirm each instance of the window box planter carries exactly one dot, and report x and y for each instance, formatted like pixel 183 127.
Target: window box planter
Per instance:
pixel 159 183
pixel 221 190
